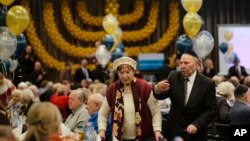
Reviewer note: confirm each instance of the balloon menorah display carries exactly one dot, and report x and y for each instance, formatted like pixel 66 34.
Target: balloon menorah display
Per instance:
pixel 105 26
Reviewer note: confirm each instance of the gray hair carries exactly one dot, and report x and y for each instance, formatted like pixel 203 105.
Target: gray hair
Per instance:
pixel 225 89
pixel 82 95
pixel 97 98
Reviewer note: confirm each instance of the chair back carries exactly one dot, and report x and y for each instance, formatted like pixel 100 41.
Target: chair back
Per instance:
pixel 223 130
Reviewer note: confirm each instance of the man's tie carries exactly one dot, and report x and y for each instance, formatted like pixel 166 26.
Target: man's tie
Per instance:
pixel 185 90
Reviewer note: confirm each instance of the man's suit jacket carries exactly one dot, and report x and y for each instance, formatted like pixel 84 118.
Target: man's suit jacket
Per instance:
pixel 79 117
pixel 240 113
pixel 199 110
pixel 234 72
pixel 79 75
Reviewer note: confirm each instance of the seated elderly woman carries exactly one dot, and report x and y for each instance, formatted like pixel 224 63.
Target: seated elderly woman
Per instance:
pixel 225 99
pixel 26 100
pixel 43 122
pixel 15 98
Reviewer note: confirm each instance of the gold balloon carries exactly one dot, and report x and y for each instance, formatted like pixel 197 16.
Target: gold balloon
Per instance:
pixel 228 35
pixel 110 23
pixel 191 5
pixel 192 24
pixel 17 19
pixel 6 2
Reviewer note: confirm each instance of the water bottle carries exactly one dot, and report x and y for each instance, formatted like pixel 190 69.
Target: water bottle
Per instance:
pixel 79 133
pixel 89 132
pixel 15 116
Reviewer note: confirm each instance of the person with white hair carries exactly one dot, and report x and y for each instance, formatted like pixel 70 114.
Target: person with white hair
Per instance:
pixel 225 99
pixel 93 106
pixel 79 115
pixel 22 85
pixel 35 91
pixel 15 98
pixel 26 100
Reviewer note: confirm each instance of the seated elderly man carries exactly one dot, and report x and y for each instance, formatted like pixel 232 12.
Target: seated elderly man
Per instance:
pixel 240 112
pixel 79 115
pixel 93 106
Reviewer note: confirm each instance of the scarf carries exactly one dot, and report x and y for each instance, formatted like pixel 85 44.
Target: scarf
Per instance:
pixel 118 117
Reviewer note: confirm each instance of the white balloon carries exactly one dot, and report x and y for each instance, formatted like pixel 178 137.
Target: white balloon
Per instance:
pixel 8 43
pixel 13 65
pixel 102 55
pixel 203 44
pixel 230 57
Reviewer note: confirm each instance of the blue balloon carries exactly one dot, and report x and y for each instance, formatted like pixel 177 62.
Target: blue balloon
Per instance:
pixel 116 54
pixel 108 41
pixel 231 57
pixel 121 46
pixel 21 44
pixel 184 44
pixel 223 47
pixel 235 57
pixel 3 12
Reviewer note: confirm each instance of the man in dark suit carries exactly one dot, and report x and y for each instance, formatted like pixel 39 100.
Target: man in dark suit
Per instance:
pixel 240 112
pixel 83 72
pixel 193 102
pixel 238 71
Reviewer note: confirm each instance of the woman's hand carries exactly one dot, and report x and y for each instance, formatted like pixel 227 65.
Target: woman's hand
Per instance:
pixel 102 134
pixel 158 135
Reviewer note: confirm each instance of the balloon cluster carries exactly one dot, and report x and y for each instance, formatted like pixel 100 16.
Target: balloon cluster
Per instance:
pixel 112 47
pixel 227 48
pixel 200 41
pixel 12 41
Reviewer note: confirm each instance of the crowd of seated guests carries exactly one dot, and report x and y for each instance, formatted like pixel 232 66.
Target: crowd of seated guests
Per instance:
pixel 71 94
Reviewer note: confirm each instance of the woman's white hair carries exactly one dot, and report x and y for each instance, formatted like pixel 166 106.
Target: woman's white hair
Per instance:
pixel 225 89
